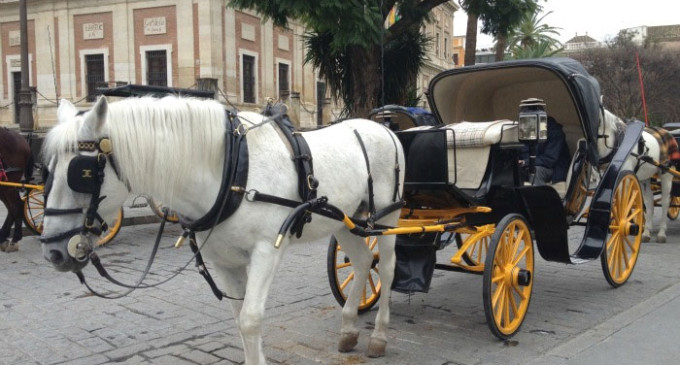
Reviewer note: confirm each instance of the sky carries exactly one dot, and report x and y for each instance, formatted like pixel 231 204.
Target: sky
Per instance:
pixel 600 19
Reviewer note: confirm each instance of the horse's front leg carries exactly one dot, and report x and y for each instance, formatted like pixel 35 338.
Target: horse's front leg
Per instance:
pixel 666 186
pixel 5 231
pixel 264 263
pixel 648 197
pixel 233 280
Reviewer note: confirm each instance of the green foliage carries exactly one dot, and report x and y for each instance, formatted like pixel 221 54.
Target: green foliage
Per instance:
pixel 502 16
pixel 531 39
pixel 344 40
pixel 531 32
pixel 535 50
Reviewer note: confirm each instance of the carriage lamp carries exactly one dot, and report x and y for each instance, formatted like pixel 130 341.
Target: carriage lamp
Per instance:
pixel 533 121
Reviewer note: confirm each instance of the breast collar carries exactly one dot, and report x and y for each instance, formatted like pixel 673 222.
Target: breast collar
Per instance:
pixel 234 178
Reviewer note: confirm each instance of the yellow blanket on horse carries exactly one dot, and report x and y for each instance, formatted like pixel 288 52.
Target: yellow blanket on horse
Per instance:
pixel 668 145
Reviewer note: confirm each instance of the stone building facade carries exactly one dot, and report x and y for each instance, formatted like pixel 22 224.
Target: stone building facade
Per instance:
pixel 77 46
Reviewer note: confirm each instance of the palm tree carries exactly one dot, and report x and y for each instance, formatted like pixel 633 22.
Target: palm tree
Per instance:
pixel 536 50
pixel 531 34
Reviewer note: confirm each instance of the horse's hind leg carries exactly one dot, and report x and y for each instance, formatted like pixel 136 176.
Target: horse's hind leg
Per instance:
pixel 648 198
pixel 378 343
pixel 362 258
pixel 666 185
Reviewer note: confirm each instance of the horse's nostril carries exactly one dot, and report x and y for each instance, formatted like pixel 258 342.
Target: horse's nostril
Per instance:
pixel 56 257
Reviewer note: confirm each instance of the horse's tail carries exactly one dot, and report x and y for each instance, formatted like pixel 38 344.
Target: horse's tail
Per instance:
pixel 28 168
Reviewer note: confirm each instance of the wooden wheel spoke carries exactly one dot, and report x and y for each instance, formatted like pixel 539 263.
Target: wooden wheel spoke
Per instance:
pixel 348 280
pixel 513 304
pixel 520 292
pixel 343 265
pixel 499 304
pixel 497 294
pixel 371 242
pixel 521 255
pixel 372 284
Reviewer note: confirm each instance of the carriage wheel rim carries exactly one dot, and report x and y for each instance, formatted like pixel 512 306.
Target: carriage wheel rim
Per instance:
pixel 627 210
pixel 371 290
pixel 509 300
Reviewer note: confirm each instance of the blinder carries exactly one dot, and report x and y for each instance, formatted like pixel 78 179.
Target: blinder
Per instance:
pixel 86 173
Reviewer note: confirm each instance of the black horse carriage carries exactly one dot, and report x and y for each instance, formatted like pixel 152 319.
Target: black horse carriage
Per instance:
pixel 463 176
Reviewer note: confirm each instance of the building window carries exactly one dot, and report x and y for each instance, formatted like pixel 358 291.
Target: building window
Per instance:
pixel 94 74
pixel 157 68
pixel 446 48
pixel 436 45
pixel 284 77
pixel 455 59
pixel 248 79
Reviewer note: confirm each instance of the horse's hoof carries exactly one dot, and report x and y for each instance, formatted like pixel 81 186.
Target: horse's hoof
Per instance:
pixel 646 238
pixel 3 245
pixel 376 348
pixel 13 247
pixel 661 239
pixel 348 341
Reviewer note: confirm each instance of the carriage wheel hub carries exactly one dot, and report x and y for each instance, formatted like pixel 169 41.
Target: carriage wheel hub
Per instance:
pixel 627 228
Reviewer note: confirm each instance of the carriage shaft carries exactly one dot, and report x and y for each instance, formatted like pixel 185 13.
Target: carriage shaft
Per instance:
pixel 21 185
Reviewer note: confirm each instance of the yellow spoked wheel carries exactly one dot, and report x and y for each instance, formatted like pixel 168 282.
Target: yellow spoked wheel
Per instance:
pixel 473 250
pixel 34 210
pixel 508 276
pixel 674 208
pixel 341 275
pixel 627 221
pixel 114 228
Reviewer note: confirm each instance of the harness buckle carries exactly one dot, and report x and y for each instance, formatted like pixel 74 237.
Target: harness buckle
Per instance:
pixel 312 182
pixel 241 130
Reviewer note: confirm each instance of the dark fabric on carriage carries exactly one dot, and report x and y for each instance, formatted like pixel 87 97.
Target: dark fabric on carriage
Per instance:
pixel 416 259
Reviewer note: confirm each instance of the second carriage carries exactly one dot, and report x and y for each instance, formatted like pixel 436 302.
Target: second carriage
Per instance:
pixel 464 185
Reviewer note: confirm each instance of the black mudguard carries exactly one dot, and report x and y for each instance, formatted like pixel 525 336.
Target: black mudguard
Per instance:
pixel 599 214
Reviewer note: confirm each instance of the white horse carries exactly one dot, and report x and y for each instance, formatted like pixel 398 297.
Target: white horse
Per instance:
pixel 645 171
pixel 173 150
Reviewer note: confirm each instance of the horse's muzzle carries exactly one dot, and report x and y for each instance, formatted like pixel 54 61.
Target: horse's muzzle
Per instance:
pixel 60 259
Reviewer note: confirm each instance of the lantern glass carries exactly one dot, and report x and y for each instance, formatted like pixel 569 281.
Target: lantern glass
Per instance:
pixel 542 127
pixel 528 128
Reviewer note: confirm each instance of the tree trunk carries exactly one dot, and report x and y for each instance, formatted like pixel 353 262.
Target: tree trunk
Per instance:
pixel 366 80
pixel 501 41
pixel 471 39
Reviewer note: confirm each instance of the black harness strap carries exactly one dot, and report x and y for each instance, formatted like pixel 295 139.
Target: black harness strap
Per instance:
pixel 234 173
pixel 302 157
pixel 371 201
pixel 202 269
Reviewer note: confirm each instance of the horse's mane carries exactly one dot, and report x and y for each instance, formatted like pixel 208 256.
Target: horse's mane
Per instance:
pixel 172 135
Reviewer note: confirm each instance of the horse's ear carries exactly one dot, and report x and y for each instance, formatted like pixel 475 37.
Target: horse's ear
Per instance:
pixel 96 118
pixel 66 110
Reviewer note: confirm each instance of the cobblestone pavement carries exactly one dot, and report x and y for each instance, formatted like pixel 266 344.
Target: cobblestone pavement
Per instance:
pixel 49 318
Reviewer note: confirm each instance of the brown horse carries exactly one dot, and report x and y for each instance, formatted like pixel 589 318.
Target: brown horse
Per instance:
pixel 16 160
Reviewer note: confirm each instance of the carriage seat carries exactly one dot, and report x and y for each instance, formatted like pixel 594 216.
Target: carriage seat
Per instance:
pixel 469 146
pixel 455 154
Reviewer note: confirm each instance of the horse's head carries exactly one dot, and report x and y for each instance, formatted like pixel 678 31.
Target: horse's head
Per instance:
pixel 83 186
pixel 610 129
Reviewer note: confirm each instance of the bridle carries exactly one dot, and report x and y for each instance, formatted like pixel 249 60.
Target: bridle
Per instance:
pixel 85 175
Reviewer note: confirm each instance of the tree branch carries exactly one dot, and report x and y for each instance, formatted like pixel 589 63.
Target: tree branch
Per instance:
pixel 404 23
